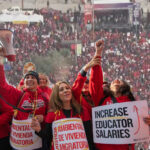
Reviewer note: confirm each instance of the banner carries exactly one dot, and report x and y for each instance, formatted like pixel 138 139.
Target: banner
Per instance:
pixel 88 13
pixel 69 134
pixel 21 18
pixel 136 13
pixel 111 6
pixel 120 123
pixel 23 137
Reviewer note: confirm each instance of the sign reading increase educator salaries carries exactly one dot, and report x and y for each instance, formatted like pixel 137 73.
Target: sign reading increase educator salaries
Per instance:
pixel 69 134
pixel 120 123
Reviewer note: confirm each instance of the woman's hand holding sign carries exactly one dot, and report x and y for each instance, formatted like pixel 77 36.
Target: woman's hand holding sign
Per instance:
pixel 35 125
pixel 40 118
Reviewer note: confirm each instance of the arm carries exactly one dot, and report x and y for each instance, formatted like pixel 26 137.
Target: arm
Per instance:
pixel 78 85
pixel 87 123
pixel 88 131
pixel 96 84
pixel 96 77
pixel 81 78
pixel 45 134
pixel 11 94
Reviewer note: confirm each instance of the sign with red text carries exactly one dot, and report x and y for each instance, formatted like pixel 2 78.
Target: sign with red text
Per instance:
pixel 69 134
pixel 23 137
pixel 120 123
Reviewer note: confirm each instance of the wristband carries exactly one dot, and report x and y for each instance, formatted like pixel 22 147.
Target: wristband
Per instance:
pixel 83 72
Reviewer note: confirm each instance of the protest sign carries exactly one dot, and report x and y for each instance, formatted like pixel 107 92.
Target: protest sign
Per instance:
pixel 120 123
pixel 69 134
pixel 23 136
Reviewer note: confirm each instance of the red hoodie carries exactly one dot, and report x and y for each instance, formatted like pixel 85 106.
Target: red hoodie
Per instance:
pixel 95 87
pixel 23 100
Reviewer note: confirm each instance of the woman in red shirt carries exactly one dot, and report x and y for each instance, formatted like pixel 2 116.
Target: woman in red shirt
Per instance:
pixel 63 105
pixel 44 84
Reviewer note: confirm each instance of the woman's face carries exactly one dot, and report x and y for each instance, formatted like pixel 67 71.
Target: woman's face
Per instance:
pixel 65 93
pixel 31 83
pixel 43 81
pixel 115 85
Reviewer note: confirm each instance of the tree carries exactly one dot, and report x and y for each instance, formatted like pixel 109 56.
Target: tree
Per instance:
pixel 56 63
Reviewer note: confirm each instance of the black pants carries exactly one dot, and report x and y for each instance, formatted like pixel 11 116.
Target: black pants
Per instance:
pixel 4 143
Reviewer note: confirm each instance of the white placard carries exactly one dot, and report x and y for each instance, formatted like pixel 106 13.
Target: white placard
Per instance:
pixel 69 134
pixel 23 137
pixel 120 123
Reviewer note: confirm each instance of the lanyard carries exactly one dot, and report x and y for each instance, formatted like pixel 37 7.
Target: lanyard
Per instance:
pixel 58 113
pixel 34 103
pixel 16 108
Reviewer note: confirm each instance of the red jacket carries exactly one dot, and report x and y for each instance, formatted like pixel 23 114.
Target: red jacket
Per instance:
pixel 6 113
pixel 53 116
pixel 23 100
pixel 95 85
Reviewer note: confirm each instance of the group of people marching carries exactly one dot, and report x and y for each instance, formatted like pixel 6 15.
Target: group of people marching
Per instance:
pixel 39 106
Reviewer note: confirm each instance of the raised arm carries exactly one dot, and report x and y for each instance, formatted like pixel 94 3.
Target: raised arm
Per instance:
pixel 78 85
pixel 96 77
pixel 11 94
pixel 81 78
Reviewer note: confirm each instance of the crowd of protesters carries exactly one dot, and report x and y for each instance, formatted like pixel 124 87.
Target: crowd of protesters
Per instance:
pixel 127 53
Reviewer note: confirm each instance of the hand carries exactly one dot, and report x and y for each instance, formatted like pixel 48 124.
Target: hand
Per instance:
pixel 99 47
pixel 147 120
pixel 35 125
pixel 40 118
pixel 95 61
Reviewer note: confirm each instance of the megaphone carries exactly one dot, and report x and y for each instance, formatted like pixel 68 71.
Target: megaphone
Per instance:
pixel 6 44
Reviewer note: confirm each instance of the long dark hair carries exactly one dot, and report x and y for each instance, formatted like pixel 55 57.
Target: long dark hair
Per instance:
pixel 124 90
